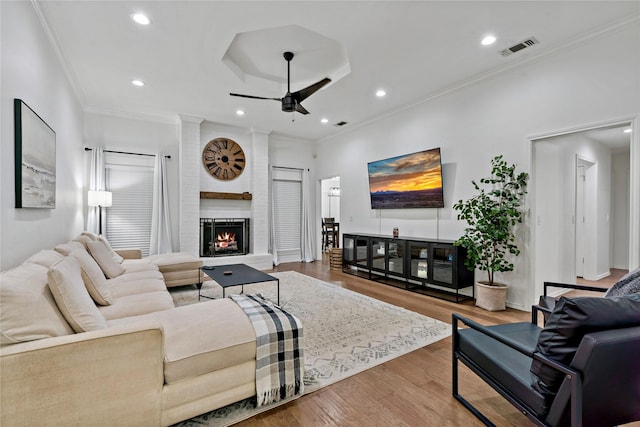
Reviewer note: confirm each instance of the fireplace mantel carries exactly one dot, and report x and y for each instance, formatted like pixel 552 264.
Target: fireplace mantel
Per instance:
pixel 226 196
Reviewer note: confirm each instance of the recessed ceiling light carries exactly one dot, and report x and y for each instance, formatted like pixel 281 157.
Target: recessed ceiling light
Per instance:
pixel 380 93
pixel 488 40
pixel 140 18
pixel 138 83
pixel 627 130
pixel 324 120
pixel 240 112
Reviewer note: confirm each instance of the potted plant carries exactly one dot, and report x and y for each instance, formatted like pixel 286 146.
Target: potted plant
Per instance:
pixel 489 238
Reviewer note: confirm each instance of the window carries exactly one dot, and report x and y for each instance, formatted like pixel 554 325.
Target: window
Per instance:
pixel 287 211
pixel 128 220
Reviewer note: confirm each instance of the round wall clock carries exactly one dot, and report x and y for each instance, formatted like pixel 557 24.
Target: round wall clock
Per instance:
pixel 223 158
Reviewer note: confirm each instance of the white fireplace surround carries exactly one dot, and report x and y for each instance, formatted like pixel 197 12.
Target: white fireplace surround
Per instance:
pixel 194 134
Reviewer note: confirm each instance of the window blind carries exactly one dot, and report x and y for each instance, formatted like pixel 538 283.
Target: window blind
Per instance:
pixel 287 203
pixel 128 222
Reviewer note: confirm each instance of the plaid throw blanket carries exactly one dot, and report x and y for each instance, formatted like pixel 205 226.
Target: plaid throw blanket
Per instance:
pixel 279 358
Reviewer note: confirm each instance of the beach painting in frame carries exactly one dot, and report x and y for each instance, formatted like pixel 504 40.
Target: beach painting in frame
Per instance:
pixel 35 159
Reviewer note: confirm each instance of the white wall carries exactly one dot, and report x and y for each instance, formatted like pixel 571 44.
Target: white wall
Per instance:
pixel 32 72
pixel 137 136
pixel 620 210
pixel 591 82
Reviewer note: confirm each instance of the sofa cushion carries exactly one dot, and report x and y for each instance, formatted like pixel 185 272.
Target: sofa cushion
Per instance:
pixel 137 304
pixel 129 276
pixel 202 338
pixel 29 311
pixel 90 235
pixel 123 288
pixel 66 248
pixel 45 258
pixel 83 239
pixel 102 256
pixel 175 261
pixel 570 320
pixel 72 298
pixel 93 277
pixel 117 258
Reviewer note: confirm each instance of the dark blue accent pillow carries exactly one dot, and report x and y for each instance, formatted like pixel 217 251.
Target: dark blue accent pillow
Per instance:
pixel 570 320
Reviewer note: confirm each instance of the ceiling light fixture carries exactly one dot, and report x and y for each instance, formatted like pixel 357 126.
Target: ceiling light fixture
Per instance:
pixel 138 83
pixel 324 120
pixel 140 18
pixel 627 130
pixel 240 112
pixel 380 93
pixel 488 40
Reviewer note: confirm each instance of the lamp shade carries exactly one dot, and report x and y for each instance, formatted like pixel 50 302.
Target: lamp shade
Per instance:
pixel 99 198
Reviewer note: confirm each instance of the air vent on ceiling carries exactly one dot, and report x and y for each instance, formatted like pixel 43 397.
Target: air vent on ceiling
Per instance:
pixel 340 124
pixel 519 46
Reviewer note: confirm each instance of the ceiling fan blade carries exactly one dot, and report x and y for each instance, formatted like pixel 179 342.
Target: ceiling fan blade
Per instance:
pixel 253 97
pixel 300 109
pixel 303 94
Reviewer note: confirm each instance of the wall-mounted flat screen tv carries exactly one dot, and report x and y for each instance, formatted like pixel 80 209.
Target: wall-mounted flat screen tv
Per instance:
pixel 410 181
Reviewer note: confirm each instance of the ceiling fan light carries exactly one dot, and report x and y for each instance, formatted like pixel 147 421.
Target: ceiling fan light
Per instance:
pixel 324 120
pixel 381 93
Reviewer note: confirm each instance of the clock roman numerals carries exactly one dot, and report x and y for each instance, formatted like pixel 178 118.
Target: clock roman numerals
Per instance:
pixel 223 159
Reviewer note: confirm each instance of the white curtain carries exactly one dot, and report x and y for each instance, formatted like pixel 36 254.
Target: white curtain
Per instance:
pixel 97 181
pixel 160 221
pixel 274 248
pixel 308 236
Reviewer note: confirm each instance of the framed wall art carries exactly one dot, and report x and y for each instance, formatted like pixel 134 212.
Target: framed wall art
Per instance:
pixel 35 159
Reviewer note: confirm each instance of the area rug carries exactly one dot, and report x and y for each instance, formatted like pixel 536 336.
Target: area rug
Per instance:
pixel 344 333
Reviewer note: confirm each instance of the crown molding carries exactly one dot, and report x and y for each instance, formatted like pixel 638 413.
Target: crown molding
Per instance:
pixel 72 77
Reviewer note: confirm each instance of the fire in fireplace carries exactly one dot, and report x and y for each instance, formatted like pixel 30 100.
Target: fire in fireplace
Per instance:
pixel 224 236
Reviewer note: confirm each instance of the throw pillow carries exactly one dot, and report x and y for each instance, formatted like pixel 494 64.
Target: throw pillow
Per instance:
pixel 72 298
pixel 102 256
pixel 92 236
pixel 93 277
pixel 629 284
pixel 569 322
pixel 29 311
pixel 117 258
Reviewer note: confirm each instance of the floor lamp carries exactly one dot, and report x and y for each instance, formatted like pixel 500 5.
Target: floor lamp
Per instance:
pixel 101 199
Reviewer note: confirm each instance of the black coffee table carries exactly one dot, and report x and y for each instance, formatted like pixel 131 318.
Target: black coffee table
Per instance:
pixel 240 275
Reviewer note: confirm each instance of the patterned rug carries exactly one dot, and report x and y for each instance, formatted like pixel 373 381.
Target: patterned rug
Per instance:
pixel 344 333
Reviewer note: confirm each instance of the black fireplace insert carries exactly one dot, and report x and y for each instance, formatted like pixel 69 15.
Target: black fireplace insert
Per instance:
pixel 224 237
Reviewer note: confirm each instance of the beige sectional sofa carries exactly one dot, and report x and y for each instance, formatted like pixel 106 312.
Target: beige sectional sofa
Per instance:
pixel 81 348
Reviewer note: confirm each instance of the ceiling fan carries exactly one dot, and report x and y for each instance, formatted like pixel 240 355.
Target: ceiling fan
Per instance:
pixel 291 101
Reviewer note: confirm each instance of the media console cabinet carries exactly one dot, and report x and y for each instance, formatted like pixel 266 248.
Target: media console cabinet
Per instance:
pixel 432 267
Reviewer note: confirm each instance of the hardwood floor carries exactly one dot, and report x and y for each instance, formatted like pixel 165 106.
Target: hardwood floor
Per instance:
pixel 412 390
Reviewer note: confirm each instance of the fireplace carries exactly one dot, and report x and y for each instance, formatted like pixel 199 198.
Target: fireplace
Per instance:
pixel 224 237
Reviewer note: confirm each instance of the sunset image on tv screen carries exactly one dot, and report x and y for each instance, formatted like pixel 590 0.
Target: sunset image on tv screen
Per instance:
pixel 409 181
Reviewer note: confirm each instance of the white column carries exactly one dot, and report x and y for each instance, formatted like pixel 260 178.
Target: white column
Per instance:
pixel 189 141
pixel 260 224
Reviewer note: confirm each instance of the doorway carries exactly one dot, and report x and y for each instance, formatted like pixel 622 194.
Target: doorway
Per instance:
pixel 584 212
pixel 330 209
pixel 577 195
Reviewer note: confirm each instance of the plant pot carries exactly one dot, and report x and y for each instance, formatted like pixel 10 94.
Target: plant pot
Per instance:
pixel 491 298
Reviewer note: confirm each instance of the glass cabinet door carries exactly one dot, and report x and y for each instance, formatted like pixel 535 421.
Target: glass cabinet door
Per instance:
pixel 419 261
pixel 348 249
pixel 396 253
pixel 443 265
pixel 378 254
pixel 362 244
